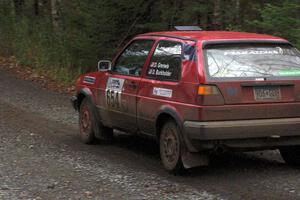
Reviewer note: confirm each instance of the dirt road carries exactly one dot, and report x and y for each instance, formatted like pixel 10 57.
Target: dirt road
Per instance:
pixel 41 157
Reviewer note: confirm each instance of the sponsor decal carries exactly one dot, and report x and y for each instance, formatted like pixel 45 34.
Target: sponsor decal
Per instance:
pixel 232 91
pixel 113 93
pixel 89 79
pixel 275 51
pixel 289 72
pixel 260 79
pixel 115 84
pixel 160 69
pixel 163 92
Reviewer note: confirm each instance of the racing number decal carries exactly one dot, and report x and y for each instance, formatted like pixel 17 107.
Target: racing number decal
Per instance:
pixel 113 92
pixel 113 98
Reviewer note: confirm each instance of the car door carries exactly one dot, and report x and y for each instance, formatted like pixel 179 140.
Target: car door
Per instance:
pixel 123 83
pixel 161 87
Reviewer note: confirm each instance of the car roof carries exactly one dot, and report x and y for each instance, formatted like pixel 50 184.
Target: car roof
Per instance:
pixel 214 35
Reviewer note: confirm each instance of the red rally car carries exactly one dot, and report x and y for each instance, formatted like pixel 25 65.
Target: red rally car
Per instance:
pixel 197 92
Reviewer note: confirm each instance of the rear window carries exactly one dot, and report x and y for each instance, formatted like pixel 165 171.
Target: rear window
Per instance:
pixel 247 61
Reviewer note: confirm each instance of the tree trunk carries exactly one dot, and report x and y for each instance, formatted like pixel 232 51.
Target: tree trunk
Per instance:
pixel 203 18
pixel 237 12
pixel 175 7
pixel 18 6
pixel 55 15
pixel 217 15
pixel 36 7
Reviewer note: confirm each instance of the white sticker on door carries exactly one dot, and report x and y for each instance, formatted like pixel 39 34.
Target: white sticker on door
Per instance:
pixel 163 92
pixel 115 84
pixel 113 93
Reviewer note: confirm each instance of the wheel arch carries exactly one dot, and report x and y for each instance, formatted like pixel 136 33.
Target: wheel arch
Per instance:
pixel 167 113
pixel 82 94
pixel 170 113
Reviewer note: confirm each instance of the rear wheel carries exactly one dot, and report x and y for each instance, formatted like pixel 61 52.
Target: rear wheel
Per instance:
pixel 90 126
pixel 171 147
pixel 291 155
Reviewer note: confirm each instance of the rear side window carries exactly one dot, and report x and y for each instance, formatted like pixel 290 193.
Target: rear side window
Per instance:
pixel 166 61
pixel 132 60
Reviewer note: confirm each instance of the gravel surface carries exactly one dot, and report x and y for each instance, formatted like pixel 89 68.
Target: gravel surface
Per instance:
pixel 41 157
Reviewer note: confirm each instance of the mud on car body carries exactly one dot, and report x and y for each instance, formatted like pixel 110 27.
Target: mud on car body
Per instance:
pixel 197 91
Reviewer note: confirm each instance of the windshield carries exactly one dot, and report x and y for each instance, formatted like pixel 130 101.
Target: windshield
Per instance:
pixel 252 61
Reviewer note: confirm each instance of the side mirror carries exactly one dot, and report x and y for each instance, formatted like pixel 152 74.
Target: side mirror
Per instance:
pixel 104 65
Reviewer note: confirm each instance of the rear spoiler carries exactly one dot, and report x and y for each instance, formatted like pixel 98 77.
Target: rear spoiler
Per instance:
pixel 220 42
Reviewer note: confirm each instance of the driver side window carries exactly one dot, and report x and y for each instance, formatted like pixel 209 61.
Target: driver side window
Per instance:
pixel 132 60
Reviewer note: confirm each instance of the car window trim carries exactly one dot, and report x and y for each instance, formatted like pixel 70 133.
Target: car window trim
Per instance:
pixel 160 79
pixel 122 51
pixel 171 36
pixel 206 44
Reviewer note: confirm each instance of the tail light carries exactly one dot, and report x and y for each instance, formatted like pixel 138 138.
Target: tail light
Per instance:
pixel 208 90
pixel 209 95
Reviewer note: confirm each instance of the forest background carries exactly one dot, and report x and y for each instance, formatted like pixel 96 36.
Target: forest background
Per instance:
pixel 66 38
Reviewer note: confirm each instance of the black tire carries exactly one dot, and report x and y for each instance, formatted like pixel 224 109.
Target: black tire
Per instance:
pixel 86 122
pixel 291 155
pixel 170 143
pixel 90 126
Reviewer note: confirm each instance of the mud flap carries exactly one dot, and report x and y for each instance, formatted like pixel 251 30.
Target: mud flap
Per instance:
pixel 102 133
pixel 97 128
pixel 190 157
pixel 97 133
pixel 191 160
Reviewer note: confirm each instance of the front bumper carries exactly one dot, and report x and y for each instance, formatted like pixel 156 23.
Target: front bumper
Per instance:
pixel 261 133
pixel 74 102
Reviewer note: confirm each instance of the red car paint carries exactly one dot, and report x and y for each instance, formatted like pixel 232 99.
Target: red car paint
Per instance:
pixel 232 118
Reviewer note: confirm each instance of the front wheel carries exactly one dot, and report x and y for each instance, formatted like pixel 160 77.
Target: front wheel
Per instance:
pixel 86 122
pixel 291 155
pixel 90 125
pixel 170 143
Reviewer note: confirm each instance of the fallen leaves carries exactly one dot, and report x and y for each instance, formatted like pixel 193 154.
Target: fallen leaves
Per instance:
pixel 11 65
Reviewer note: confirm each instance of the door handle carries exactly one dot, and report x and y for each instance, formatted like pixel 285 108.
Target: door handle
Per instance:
pixel 132 84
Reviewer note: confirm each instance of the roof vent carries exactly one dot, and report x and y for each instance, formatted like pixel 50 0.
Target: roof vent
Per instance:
pixel 187 28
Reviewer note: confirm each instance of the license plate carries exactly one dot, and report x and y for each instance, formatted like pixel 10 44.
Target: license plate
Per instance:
pixel 266 93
